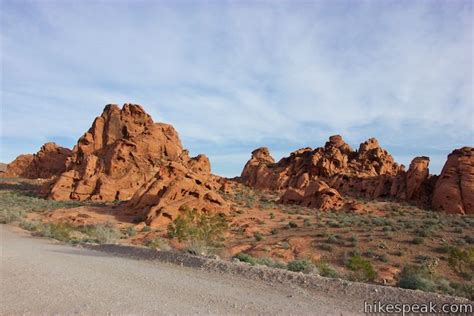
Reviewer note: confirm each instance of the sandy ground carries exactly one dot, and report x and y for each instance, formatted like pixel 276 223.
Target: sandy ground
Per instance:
pixel 40 276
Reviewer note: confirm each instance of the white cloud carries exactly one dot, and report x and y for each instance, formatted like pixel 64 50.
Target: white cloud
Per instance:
pixel 236 73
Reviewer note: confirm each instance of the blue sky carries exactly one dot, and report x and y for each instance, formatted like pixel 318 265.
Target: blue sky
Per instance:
pixel 233 76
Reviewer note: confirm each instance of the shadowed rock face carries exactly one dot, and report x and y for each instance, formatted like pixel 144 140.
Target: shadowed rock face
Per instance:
pixel 49 161
pixel 454 190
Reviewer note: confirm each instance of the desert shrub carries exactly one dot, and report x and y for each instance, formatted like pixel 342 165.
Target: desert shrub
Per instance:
pixel 418 240
pixel 362 269
pixel 30 203
pixel 285 245
pixel 292 225
pixel 208 229
pixel 146 229
pixel 244 257
pixel 272 215
pixel 300 266
pixel 462 261
pixel 270 263
pixel 158 243
pixel 332 239
pixel 258 236
pixel 469 239
pixel 30 225
pixel 59 231
pixel 326 270
pixel 325 247
pixel 10 215
pixel 274 231
pixel 383 258
pixel 306 222
pixel 353 239
pixel 101 233
pixel 458 230
pixel 419 278
pixel 131 231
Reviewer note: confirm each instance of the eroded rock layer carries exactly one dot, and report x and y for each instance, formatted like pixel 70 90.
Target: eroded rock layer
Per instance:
pixel 177 185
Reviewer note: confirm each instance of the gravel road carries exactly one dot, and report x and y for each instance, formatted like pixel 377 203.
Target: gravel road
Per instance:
pixel 40 276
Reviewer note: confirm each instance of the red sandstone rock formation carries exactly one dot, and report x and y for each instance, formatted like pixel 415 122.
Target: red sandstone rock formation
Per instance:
pixel 366 172
pixel 317 195
pixel 454 190
pixel 126 156
pixel 122 150
pixel 416 184
pixel 177 185
pixel 49 161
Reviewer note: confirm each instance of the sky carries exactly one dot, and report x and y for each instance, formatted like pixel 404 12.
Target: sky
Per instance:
pixel 232 76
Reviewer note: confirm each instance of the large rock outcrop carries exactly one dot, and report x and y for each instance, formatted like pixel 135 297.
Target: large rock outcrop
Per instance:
pixel 177 185
pixel 362 173
pixel 49 161
pixel 126 156
pixel 122 150
pixel 454 190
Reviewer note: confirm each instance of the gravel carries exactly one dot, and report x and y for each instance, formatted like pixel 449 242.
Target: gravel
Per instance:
pixel 41 276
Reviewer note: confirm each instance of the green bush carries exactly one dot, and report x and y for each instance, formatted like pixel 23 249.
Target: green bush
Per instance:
pixel 258 236
pixel 8 216
pixel 101 233
pixel 362 268
pixel 202 227
pixel 244 257
pixel 415 278
pixel 462 261
pixel 158 243
pixel 300 266
pixel 131 231
pixel 292 225
pixel 326 270
pixel 418 240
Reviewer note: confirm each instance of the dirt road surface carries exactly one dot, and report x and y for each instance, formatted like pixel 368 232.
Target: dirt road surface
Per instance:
pixel 40 276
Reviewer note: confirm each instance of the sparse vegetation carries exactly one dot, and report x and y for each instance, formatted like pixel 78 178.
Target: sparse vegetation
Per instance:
pixel 300 266
pixel 102 233
pixel 158 243
pixel 199 230
pixel 362 269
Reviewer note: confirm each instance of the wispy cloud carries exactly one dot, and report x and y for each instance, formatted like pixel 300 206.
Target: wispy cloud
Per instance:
pixel 231 76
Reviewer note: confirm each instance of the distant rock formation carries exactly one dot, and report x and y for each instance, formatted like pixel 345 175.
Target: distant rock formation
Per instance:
pixel 368 172
pixel 357 173
pixel 48 162
pixel 454 190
